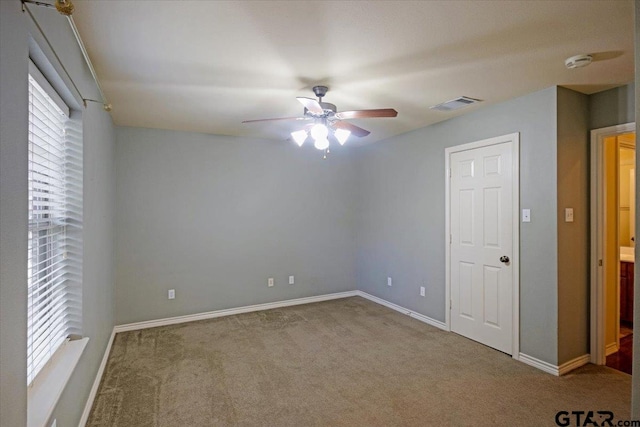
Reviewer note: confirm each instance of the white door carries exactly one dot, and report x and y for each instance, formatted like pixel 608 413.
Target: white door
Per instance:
pixel 482 253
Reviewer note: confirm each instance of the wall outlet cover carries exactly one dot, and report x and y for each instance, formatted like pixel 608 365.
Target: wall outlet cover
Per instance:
pixel 389 281
pixel 172 294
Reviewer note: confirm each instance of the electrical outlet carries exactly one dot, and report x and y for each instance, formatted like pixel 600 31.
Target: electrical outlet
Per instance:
pixel 270 282
pixel 389 281
pixel 291 281
pixel 172 294
pixel 422 291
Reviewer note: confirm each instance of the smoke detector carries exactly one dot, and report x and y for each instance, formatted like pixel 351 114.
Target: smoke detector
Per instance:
pixel 578 61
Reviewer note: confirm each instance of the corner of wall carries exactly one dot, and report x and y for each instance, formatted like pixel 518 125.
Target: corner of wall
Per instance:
pixel 573 236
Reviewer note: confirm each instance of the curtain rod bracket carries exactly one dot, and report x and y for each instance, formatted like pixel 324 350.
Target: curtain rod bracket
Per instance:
pixel 65 7
pixel 107 107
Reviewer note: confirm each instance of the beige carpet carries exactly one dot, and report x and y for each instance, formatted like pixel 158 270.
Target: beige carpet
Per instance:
pixel 347 362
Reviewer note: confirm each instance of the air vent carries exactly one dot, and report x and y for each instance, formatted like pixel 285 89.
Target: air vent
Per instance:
pixel 455 104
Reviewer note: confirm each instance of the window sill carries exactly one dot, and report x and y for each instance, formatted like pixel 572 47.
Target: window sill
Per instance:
pixel 48 385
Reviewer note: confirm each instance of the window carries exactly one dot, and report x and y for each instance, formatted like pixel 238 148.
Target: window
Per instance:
pixel 55 224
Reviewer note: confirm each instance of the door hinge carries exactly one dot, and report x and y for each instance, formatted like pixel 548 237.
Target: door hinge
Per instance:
pixel 450 239
pixel 449 172
pixel 599 263
pixel 450 304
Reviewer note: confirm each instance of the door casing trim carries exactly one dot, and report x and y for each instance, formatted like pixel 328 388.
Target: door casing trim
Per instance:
pixel 598 297
pixel 514 140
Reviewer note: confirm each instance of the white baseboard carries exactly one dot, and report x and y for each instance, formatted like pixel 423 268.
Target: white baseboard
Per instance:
pixel 96 382
pixel 611 348
pixel 554 369
pixel 540 364
pixel 574 364
pixel 231 311
pixel 272 305
pixel 421 317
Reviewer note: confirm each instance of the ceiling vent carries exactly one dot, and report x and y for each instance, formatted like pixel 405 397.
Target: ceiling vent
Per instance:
pixel 455 104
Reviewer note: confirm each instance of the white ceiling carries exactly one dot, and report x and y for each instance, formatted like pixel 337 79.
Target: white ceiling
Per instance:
pixel 205 66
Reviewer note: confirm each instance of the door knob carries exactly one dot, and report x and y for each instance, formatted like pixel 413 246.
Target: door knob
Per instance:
pixel 504 259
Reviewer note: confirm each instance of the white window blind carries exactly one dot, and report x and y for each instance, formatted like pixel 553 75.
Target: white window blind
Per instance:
pixel 55 224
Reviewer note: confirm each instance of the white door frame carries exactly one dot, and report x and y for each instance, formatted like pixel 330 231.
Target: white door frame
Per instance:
pixel 514 139
pixel 598 297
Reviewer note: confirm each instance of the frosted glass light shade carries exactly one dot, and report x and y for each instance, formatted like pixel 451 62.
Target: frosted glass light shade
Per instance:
pixel 299 137
pixel 342 135
pixel 319 131
pixel 321 144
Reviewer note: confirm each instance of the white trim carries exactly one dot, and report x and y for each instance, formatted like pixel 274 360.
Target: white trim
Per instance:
pixel 611 348
pixel 37 75
pixel 230 311
pixel 271 305
pixel 96 382
pixel 514 139
pixel 573 364
pixel 553 369
pixel 421 317
pixel 539 364
pixel 598 303
pixel 47 387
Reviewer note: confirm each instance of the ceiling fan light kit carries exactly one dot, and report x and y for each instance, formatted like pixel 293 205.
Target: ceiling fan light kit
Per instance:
pixel 299 136
pixel 328 122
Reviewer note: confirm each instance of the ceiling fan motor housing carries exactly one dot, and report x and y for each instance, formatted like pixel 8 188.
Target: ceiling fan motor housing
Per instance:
pixel 320 91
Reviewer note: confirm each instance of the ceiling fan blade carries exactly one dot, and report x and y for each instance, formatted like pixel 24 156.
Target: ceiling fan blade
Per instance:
pixel 363 114
pixel 311 104
pixel 271 120
pixel 355 130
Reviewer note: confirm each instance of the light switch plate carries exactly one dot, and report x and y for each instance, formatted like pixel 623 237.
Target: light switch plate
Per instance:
pixel 389 281
pixel 270 282
pixel 291 280
pixel 526 215
pixel 172 294
pixel 568 215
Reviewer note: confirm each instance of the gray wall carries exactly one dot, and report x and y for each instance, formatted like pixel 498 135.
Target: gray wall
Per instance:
pixel 213 217
pixel 99 185
pixel 401 212
pixel 573 237
pixel 612 107
pixel 13 215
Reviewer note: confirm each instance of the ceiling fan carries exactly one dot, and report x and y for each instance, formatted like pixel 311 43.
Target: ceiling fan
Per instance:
pixel 324 120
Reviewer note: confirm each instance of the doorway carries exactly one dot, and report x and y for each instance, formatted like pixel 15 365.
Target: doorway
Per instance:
pixel 482 192
pixel 613 245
